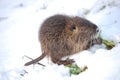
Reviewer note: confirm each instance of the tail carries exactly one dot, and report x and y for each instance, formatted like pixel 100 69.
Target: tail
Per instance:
pixel 35 60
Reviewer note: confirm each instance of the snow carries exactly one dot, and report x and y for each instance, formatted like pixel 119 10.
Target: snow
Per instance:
pixel 19 24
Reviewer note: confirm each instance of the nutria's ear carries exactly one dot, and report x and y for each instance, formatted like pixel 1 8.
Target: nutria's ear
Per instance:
pixel 72 27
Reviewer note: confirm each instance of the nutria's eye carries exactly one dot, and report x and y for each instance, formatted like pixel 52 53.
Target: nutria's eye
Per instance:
pixel 73 27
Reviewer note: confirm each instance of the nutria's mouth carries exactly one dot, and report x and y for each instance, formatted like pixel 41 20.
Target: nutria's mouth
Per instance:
pixel 95 35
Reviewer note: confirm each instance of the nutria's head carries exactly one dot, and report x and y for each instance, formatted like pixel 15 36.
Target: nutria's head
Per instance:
pixel 81 32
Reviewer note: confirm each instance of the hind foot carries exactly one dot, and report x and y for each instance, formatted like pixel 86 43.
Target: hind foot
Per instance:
pixel 64 62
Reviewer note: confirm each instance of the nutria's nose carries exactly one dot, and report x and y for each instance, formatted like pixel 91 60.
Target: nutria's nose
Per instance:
pixel 97 29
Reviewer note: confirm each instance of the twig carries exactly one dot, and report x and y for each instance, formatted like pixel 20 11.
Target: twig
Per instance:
pixel 33 59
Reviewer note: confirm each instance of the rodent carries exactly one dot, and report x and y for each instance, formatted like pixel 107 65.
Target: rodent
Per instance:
pixel 62 35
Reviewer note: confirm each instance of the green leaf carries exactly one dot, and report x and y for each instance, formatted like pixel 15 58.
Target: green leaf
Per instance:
pixel 74 69
pixel 109 44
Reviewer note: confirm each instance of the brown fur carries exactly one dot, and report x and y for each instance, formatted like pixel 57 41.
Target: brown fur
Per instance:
pixel 61 36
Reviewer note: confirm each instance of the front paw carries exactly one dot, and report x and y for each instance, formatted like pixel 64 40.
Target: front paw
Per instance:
pixel 96 41
pixel 69 61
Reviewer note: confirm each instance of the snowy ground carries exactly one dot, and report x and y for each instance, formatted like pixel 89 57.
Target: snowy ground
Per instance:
pixel 19 24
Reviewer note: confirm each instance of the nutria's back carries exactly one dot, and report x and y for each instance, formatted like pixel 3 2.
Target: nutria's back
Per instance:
pixel 62 35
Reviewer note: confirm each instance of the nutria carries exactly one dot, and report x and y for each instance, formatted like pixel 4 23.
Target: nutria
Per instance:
pixel 62 35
